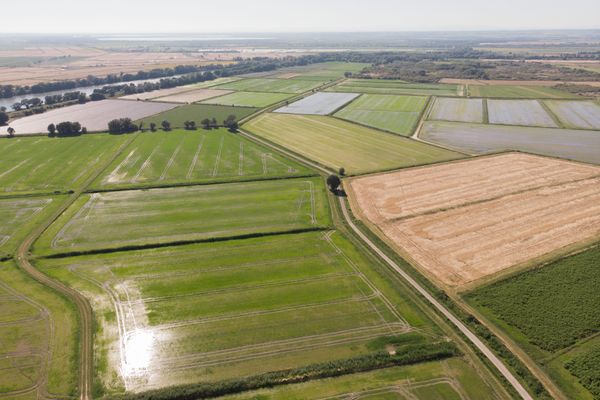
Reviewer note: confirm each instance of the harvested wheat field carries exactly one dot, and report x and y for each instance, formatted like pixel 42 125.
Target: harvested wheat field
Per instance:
pixel 465 220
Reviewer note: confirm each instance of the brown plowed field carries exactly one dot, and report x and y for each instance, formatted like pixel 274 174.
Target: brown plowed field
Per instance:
pixel 462 221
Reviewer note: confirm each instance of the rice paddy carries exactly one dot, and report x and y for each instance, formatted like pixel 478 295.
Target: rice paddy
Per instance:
pixel 458 110
pixel 571 144
pixel 519 112
pixel 321 103
pixel 391 87
pixel 291 86
pixel 248 99
pixel 518 92
pixel 576 114
pixel 397 114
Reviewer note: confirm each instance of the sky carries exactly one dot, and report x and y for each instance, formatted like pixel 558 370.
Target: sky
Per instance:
pixel 184 16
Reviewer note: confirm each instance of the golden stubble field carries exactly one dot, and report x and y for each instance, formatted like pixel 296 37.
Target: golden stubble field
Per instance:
pixel 466 220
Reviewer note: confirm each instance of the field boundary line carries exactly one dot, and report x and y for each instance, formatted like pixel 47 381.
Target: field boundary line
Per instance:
pixel 177 243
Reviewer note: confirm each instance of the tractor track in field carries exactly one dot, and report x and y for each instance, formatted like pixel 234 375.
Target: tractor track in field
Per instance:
pixel 84 309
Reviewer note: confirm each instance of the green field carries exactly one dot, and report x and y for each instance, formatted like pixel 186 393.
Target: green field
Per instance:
pixel 38 330
pixel 384 384
pixel 140 217
pixel 18 216
pixel 162 158
pixel 394 87
pixel 248 99
pixel 271 85
pixel 235 308
pixel 196 113
pixel 397 114
pixel 335 143
pixel 42 164
pixel 585 368
pixel 552 312
pixel 554 306
pixel 518 92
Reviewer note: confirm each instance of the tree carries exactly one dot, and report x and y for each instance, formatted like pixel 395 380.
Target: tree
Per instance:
pixel 84 130
pixel 122 125
pixel 68 128
pixel 333 181
pixel 81 98
pixel 97 96
pixel 16 106
pixel 190 125
pixel 342 171
pixel 347 74
pixel 166 125
pixel 10 131
pixel 153 126
pixel 231 123
pixel 213 122
pixel 205 123
pixel 52 129
pixel 3 118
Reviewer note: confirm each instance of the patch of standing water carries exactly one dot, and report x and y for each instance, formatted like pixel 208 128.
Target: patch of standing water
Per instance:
pixel 137 353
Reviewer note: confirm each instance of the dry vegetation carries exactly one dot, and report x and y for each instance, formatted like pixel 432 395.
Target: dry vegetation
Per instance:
pixel 467 220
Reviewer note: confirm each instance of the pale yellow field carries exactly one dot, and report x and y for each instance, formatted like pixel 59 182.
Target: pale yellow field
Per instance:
pixel 465 220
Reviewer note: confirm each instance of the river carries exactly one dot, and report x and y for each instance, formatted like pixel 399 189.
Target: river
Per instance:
pixel 9 101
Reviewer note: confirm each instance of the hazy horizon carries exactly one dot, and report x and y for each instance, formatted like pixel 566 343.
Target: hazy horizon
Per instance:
pixel 308 16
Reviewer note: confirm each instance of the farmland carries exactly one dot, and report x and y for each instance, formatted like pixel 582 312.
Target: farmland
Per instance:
pixel 464 221
pixel 93 115
pixel 319 104
pixel 572 144
pixel 519 112
pixel 248 99
pixel 112 219
pixel 560 311
pixel 319 72
pixel 193 96
pixel 251 306
pixel 343 144
pixel 17 216
pixel 390 87
pixel 397 114
pixel 459 110
pixel 585 367
pixel 196 113
pixel 518 92
pixel 42 164
pixel 271 85
pixel 38 344
pixel 551 311
pixel 162 158
pixel 391 382
pixel 179 89
pixel 576 114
